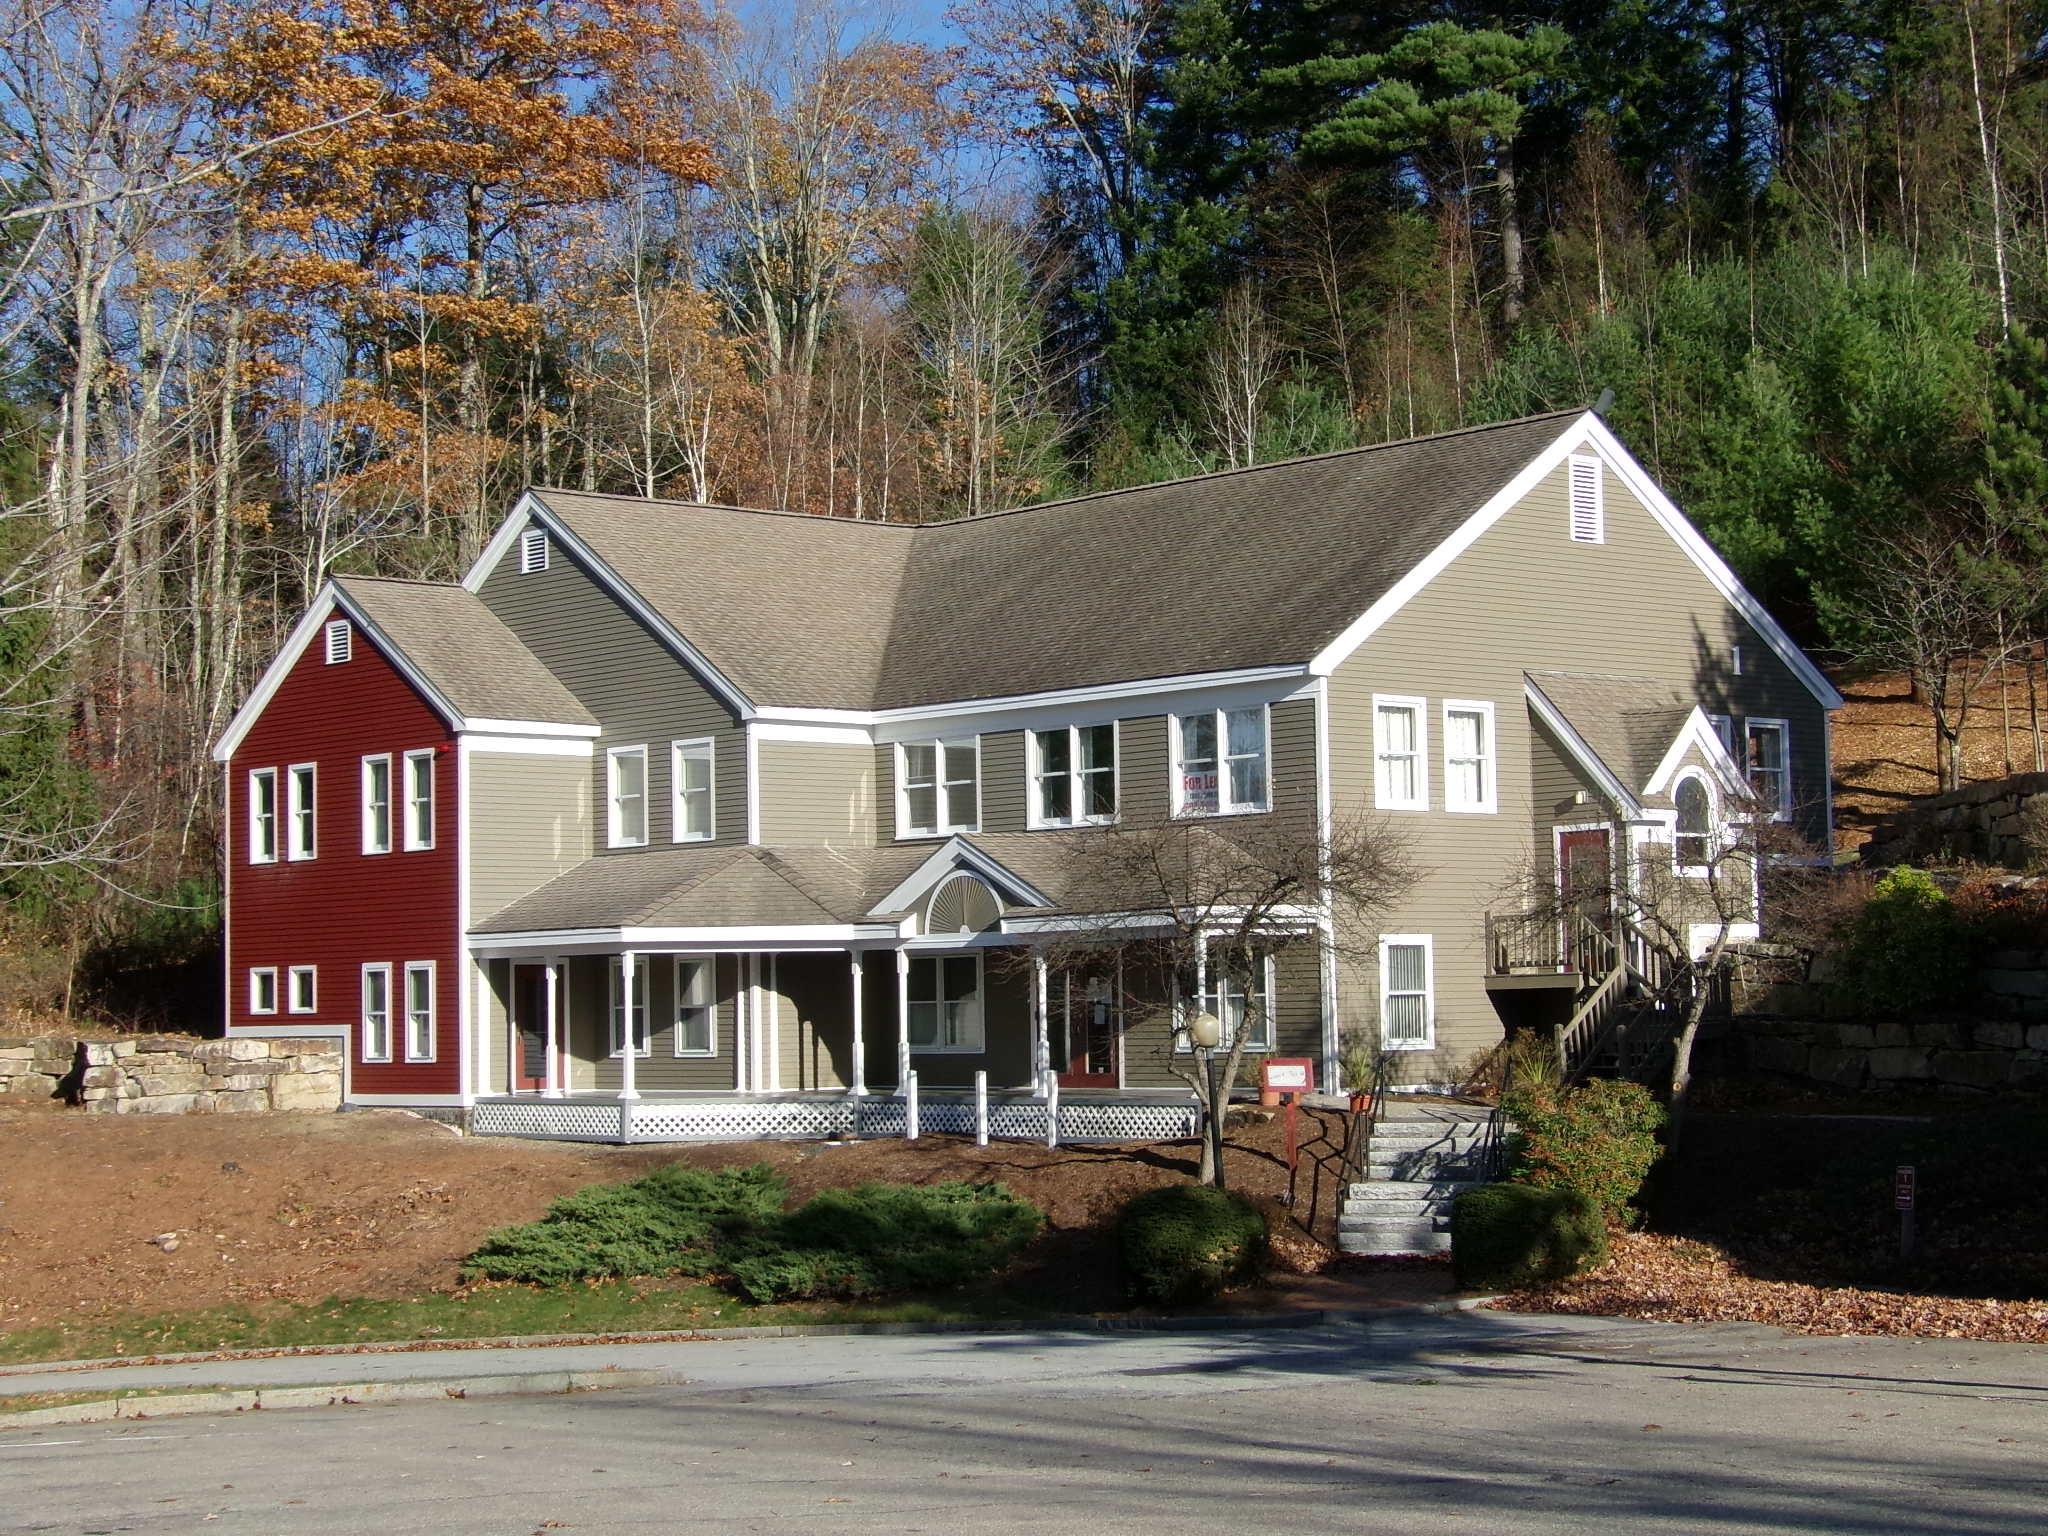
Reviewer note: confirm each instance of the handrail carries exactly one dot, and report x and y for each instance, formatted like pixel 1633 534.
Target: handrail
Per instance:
pixel 1578 1036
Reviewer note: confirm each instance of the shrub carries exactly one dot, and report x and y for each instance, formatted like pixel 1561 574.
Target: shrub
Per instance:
pixel 1508 1236
pixel 1908 949
pixel 1598 1140
pixel 880 1237
pixel 658 1224
pixel 1188 1243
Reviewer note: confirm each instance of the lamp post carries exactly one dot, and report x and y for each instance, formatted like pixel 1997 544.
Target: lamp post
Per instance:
pixel 1205 1033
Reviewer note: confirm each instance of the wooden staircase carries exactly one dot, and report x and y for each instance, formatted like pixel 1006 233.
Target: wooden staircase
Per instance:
pixel 1629 1007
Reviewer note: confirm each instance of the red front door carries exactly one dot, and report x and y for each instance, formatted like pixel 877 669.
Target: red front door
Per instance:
pixel 1082 1019
pixel 1585 875
pixel 529 1027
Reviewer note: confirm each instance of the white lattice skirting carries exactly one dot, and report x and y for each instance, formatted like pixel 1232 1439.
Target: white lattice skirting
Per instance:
pixel 802 1119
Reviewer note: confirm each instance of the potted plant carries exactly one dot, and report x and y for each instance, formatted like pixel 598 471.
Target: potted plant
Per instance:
pixel 1358 1059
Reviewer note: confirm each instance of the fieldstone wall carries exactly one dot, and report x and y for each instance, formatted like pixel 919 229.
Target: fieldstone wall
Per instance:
pixel 1958 1055
pixel 171 1075
pixel 2001 821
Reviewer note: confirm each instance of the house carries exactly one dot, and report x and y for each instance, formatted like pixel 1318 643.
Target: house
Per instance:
pixel 784 798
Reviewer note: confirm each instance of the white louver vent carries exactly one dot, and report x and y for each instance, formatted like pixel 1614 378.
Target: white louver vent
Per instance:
pixel 1589 513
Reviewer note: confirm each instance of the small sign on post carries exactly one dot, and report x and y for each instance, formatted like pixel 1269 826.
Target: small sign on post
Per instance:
pixel 1287 1078
pixel 1905 1193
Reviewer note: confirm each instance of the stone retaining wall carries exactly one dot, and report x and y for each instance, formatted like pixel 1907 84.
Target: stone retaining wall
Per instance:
pixel 1959 1055
pixel 172 1075
pixel 2001 821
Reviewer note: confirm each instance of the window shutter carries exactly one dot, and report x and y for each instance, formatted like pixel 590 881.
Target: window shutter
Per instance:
pixel 340 641
pixel 1589 516
pixel 533 551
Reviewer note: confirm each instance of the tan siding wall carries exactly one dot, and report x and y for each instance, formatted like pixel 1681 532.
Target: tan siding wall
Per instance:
pixel 815 1020
pixel 1003 793
pixel 1297 1025
pixel 496 1066
pixel 529 820
pixel 816 792
pixel 637 689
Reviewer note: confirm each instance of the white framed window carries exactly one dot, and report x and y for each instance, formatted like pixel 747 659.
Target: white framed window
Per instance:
pixel 1240 1004
pixel 696 1027
pixel 301 841
pixel 1220 762
pixel 690 786
pixel 419 799
pixel 419 1010
pixel 341 642
pixel 641 1044
pixel 377 804
pixel 1767 756
pixel 1724 727
pixel 533 551
pixel 1073 775
pixel 1588 500
pixel 626 796
pixel 263 989
pixel 938 787
pixel 1407 991
pixel 945 1004
pixel 1692 833
pixel 263 816
pixel 1400 752
pixel 1469 783
pixel 374 1039
pixel 302 989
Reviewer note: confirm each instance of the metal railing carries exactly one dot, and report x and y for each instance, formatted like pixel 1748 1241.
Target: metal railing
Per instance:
pixel 1359 1133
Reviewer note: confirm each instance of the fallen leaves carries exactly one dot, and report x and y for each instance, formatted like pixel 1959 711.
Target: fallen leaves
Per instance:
pixel 1682 1280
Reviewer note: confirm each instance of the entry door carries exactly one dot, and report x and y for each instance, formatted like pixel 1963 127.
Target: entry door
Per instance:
pixel 1585 872
pixel 1083 1019
pixel 529 1026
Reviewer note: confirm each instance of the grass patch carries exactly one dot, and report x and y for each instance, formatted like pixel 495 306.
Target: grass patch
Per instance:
pixel 29 1402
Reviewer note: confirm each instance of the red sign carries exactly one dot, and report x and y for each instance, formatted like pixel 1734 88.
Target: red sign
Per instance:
pixel 1902 1189
pixel 1287 1074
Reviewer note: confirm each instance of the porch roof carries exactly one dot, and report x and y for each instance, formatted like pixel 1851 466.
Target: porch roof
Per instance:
pixel 1628 722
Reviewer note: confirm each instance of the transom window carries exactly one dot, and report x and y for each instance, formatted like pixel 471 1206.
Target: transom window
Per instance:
pixel 694 1034
pixel 1400 767
pixel 939 787
pixel 626 794
pixel 1468 756
pixel 690 781
pixel 375 1036
pixel 1407 1006
pixel 263 816
pixel 1073 775
pixel 641 1044
pixel 419 799
pixel 377 804
pixel 1692 838
pixel 1770 766
pixel 1220 762
pixel 301 842
pixel 419 1010
pixel 945 1003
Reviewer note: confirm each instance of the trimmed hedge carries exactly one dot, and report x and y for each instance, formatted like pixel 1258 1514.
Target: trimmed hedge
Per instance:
pixel 1188 1243
pixel 1508 1236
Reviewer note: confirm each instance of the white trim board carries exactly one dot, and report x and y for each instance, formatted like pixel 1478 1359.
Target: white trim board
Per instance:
pixel 951 857
pixel 1698 731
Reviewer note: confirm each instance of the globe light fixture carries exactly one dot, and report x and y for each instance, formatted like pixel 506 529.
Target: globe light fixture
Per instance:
pixel 1206 1031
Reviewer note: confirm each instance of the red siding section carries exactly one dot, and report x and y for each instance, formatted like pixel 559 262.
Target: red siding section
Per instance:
pixel 343 908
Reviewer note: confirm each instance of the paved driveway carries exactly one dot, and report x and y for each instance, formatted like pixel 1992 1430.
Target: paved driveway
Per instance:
pixel 1479 1423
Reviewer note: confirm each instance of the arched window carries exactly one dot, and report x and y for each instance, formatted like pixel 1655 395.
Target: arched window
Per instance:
pixel 1693 842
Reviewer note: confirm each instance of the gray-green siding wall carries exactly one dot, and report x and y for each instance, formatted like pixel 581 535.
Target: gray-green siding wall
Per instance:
pixel 641 694
pixel 1525 597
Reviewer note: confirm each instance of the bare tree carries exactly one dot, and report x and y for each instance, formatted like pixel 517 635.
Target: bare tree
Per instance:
pixel 1239 371
pixel 1188 913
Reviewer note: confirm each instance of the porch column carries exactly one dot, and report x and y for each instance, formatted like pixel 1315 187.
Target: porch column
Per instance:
pixel 628 970
pixel 557 1068
pixel 902 1018
pixel 860 1044
pixel 1041 1043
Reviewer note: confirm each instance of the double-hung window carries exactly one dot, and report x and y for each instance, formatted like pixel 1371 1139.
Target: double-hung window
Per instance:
pixel 263 816
pixel 1400 754
pixel 690 783
pixel 1469 756
pixel 626 795
pixel 377 804
pixel 419 799
pixel 1692 837
pixel 1407 1006
pixel 374 1039
pixel 694 1034
pixel 1220 762
pixel 1770 766
pixel 1240 1002
pixel 263 989
pixel 945 1003
pixel 938 787
pixel 299 830
pixel 419 1010
pixel 1073 775
pixel 301 996
pixel 638 1010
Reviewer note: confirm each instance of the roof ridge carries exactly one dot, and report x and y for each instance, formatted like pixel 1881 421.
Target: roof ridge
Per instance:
pixel 402 581
pixel 788 876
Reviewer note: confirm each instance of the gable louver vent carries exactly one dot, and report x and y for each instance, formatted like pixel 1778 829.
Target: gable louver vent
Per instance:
pixel 533 551
pixel 1589 515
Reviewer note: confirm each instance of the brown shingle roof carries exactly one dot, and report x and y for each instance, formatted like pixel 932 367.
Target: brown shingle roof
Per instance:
pixel 464 650
pixel 1246 568
pixel 1629 721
